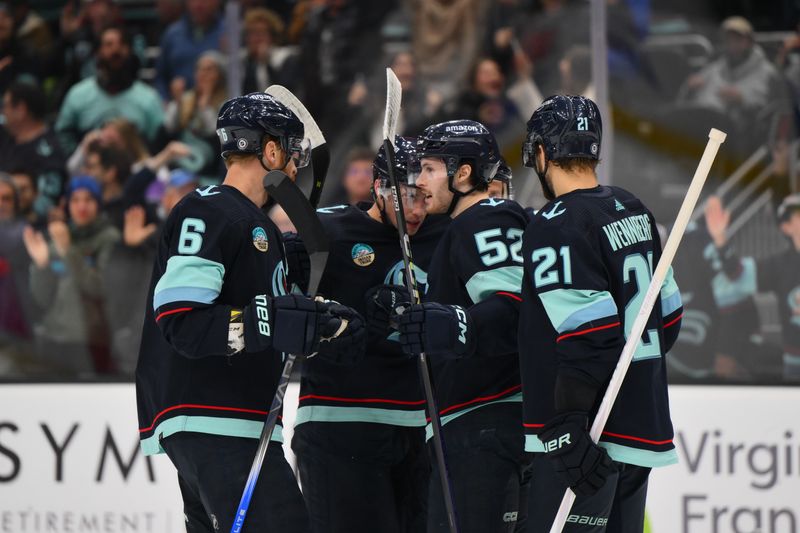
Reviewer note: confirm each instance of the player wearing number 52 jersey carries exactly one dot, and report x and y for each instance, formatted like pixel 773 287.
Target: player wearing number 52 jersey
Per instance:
pixel 218 321
pixel 467 327
pixel 589 257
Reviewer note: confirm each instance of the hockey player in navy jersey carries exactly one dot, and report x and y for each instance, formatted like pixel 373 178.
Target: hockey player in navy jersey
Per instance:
pixel 589 256
pixel 217 322
pixel 360 431
pixel 467 328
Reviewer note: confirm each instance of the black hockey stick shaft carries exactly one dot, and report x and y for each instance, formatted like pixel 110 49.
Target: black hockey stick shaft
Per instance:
pixel 424 368
pixel 300 212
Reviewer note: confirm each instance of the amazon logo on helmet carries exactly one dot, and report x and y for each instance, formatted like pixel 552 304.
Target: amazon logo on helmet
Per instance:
pixel 457 142
pixel 243 122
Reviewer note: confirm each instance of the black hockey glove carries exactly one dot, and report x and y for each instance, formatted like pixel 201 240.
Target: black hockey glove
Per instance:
pixel 299 325
pixel 438 330
pixel 583 465
pixel 342 345
pixel 383 303
pixel 297 261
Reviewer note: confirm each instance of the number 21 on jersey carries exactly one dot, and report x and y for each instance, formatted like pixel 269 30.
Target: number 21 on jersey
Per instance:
pixel 636 269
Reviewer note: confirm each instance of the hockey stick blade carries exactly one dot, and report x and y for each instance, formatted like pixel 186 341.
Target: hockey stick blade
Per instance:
pixel 291 198
pixel 320 153
pixel 394 96
pixel 715 139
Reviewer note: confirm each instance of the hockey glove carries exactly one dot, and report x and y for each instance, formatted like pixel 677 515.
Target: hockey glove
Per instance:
pixel 343 339
pixel 296 324
pixel 383 303
pixel 583 465
pixel 438 330
pixel 297 261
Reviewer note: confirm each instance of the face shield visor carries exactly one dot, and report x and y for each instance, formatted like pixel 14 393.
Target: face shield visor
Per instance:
pixel 299 149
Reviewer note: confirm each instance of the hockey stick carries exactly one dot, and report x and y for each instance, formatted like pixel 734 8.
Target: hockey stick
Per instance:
pixel 291 198
pixel 393 97
pixel 715 139
pixel 320 153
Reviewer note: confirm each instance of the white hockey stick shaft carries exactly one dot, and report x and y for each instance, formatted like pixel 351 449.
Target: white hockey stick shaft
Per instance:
pixel 715 139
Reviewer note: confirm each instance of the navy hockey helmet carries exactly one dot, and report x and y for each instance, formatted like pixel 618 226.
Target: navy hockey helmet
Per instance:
pixel 458 142
pixel 566 127
pixel 245 120
pixel 789 205
pixel 406 164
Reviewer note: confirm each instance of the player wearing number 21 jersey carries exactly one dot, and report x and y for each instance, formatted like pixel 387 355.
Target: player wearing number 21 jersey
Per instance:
pixel 589 255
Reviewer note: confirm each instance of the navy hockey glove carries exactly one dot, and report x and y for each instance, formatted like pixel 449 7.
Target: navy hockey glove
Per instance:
pixel 297 261
pixel 293 324
pixel 438 330
pixel 383 304
pixel 343 337
pixel 583 465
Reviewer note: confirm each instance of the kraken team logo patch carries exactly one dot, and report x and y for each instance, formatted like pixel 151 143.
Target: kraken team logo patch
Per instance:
pixel 363 254
pixel 260 239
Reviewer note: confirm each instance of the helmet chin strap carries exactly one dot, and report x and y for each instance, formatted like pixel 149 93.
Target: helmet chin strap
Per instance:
pixel 457 195
pixel 548 192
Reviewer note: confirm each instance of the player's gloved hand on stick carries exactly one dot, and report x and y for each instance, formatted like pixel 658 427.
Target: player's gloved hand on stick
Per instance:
pixel 299 325
pixel 583 465
pixel 383 304
pixel 438 330
pixel 297 261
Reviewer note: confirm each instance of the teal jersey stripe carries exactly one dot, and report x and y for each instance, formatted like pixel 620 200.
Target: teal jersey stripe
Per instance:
pixel 569 308
pixel 670 294
pixel 229 427
pixel 330 413
pixel 619 453
pixel 190 271
pixel 729 292
pixel 483 284
pixel 184 294
pixel 452 416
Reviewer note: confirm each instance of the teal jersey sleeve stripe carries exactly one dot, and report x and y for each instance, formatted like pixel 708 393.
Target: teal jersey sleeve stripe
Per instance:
pixel 729 292
pixel 184 294
pixel 483 284
pixel 452 416
pixel 619 453
pixel 229 427
pixel 569 308
pixel 670 294
pixel 189 271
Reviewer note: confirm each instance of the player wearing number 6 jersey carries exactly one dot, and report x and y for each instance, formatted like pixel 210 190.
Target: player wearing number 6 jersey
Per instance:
pixel 467 327
pixel 589 256
pixel 218 322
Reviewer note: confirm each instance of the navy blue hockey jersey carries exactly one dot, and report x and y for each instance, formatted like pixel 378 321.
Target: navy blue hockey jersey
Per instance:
pixel 217 251
pixel 384 387
pixel 480 255
pixel 589 257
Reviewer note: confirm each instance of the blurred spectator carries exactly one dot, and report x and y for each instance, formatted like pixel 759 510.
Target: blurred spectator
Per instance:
pixel 485 100
pixel 198 31
pixel 338 47
pixel 742 83
pixel 575 69
pixel 357 181
pixel 129 269
pixel 67 282
pixel 27 192
pixel 113 92
pixel 111 168
pixel 265 62
pixel 28 144
pixel 32 32
pixel 15 63
pixel 192 116
pixel 15 297
pixel 168 12
pixel 82 24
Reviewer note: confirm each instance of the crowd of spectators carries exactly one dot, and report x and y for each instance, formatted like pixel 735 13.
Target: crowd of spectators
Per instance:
pixel 108 120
